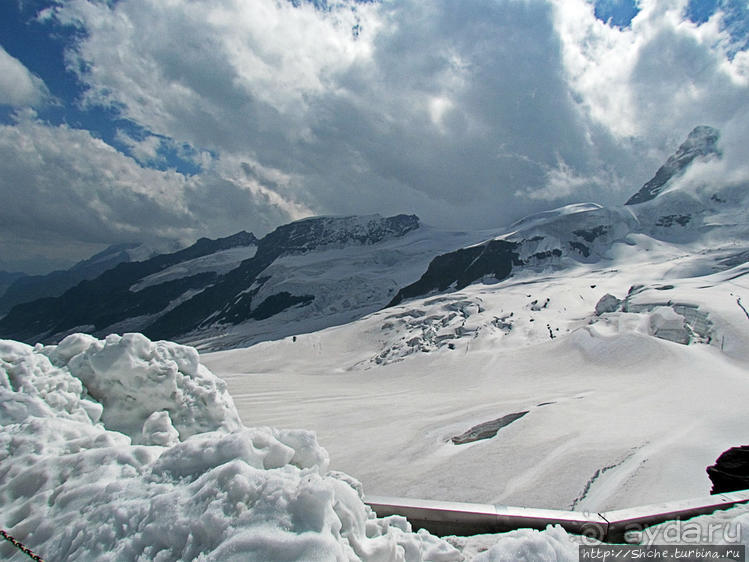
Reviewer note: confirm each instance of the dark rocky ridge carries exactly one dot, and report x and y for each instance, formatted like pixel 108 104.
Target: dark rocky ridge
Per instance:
pixel 456 270
pixel 463 267
pixel 7 278
pixel 701 142
pixel 228 301
pixel 27 288
pixel 173 308
pixel 107 299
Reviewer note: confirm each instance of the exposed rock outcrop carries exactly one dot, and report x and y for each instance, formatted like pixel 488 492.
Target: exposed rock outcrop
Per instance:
pixel 701 142
pixel 731 471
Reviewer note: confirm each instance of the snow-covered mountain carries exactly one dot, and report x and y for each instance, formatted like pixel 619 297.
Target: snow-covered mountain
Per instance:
pixel 326 271
pixel 600 353
pixel 266 285
pixel 705 217
pixel 129 296
pixel 27 288
pixel 303 276
pixel 701 143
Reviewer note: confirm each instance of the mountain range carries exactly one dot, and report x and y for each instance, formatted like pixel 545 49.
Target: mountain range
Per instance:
pixel 585 358
pixel 17 288
pixel 325 271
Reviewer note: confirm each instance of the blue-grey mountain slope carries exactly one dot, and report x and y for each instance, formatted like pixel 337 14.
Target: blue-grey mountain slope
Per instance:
pixel 27 288
pixel 127 295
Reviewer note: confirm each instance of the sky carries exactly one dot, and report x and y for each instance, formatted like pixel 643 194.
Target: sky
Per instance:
pixel 157 121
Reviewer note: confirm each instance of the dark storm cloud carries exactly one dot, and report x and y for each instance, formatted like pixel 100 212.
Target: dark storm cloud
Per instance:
pixel 468 114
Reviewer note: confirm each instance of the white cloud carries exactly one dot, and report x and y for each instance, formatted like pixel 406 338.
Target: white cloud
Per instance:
pixel 145 150
pixel 18 86
pixel 657 79
pixel 468 114
pixel 224 63
pixel 62 187
pixel 406 113
pixel 562 183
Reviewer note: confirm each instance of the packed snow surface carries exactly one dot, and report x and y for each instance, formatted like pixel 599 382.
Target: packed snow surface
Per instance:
pixel 127 449
pixel 633 371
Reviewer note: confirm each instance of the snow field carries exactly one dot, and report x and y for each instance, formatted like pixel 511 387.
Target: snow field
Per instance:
pixel 177 480
pixel 204 487
pixel 619 414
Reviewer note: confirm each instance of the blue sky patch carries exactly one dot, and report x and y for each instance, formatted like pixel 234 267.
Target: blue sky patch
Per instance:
pixel 41 46
pixel 617 13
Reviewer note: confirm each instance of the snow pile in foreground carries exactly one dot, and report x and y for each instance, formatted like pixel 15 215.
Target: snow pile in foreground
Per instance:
pixel 127 449
pixel 523 545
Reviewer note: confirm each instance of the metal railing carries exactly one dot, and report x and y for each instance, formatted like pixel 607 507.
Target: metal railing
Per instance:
pixel 454 518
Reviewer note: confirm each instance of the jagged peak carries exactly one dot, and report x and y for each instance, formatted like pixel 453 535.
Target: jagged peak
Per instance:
pixel 702 141
pixel 315 232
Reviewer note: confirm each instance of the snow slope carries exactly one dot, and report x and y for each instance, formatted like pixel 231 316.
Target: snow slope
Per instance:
pixel 618 412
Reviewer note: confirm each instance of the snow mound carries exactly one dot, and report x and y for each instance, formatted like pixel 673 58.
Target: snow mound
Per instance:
pixel 127 449
pixel 527 544
pixel 134 378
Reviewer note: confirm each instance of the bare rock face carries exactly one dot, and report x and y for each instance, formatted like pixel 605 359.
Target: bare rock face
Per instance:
pixel 731 471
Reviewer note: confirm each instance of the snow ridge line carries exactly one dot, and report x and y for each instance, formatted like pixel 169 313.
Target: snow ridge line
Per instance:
pixel 444 518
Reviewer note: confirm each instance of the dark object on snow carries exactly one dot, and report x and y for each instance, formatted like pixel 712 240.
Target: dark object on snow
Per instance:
pixel 731 471
pixel 486 430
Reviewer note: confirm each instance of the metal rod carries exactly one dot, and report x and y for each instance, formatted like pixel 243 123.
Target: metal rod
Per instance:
pixel 455 518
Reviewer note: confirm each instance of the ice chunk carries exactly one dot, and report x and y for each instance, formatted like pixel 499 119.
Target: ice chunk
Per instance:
pixel 607 303
pixel 158 430
pixel 666 324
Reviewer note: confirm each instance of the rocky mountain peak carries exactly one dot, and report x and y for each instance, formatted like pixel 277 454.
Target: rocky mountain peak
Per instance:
pixel 317 232
pixel 701 142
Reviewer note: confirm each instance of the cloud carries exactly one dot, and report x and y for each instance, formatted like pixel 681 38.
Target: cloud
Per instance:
pixel 562 182
pixel 657 79
pixel 18 86
pixel 468 114
pixel 64 188
pixel 651 83
pixel 368 107
pixel 145 150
